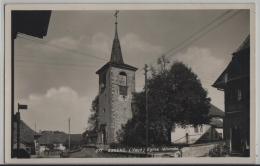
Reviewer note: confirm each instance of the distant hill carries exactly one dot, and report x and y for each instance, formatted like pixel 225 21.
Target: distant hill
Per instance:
pixel 55 137
pixel 47 137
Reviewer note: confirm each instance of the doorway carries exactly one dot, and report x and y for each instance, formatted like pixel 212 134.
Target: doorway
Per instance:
pixel 103 134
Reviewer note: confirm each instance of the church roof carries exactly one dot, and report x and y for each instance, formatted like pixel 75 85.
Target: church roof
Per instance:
pixel 116 53
pixel 110 64
pixel 116 59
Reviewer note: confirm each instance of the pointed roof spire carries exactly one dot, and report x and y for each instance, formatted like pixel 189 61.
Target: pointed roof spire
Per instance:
pixel 116 54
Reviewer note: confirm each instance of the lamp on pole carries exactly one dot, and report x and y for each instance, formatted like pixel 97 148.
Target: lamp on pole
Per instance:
pixel 18 118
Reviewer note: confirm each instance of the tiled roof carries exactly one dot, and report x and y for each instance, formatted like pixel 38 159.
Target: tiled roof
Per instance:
pixel 216 112
pixel 116 58
pixel 52 137
pixel 116 53
pixel 238 67
pixel 26 133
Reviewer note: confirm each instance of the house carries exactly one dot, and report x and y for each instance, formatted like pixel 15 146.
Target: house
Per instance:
pixel 189 134
pixel 235 82
pixel 57 141
pixel 33 23
pixel 52 142
pixel 90 137
pixel 76 140
pixel 26 137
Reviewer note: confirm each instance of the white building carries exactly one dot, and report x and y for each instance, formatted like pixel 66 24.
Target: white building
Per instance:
pixel 190 134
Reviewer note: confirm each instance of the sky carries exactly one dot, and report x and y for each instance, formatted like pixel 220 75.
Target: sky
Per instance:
pixel 56 75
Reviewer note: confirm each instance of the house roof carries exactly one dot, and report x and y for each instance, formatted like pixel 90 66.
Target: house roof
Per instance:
pixel 116 59
pixel 75 138
pixel 55 137
pixel 26 133
pixel 238 67
pixel 110 64
pixel 116 53
pixel 52 137
pixel 215 112
pixel 33 23
pixel 216 123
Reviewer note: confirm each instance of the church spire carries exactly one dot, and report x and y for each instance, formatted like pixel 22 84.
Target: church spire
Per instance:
pixel 116 54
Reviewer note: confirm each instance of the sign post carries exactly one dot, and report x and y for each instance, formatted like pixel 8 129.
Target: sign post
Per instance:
pixel 18 118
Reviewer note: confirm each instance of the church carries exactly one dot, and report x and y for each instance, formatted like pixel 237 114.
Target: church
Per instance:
pixel 116 86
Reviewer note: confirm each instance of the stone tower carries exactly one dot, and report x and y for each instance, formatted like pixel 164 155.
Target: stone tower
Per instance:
pixel 116 85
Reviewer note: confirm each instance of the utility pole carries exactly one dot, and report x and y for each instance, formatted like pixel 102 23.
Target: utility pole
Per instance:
pixel 146 110
pixel 35 126
pixel 69 133
pixel 18 119
pixel 13 116
pixel 18 134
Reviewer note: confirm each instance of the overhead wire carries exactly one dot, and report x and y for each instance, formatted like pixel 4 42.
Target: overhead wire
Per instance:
pixel 25 37
pixel 200 33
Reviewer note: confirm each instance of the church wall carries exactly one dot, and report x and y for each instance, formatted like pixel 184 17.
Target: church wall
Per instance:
pixel 105 107
pixel 120 106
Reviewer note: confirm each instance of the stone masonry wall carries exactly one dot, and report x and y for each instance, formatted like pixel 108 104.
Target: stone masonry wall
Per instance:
pixel 121 110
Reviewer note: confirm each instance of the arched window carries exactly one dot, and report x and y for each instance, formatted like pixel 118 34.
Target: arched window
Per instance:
pixel 122 83
pixel 102 82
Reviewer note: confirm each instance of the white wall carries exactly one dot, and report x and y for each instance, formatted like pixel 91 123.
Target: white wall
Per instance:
pixel 179 134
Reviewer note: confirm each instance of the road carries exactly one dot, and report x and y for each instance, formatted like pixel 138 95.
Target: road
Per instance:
pixel 89 152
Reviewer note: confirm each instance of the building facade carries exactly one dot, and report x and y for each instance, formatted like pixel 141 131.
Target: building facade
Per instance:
pixel 235 82
pixel 116 85
pixel 204 133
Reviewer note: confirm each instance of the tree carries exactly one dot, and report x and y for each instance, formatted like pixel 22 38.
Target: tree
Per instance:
pixel 93 119
pixel 175 96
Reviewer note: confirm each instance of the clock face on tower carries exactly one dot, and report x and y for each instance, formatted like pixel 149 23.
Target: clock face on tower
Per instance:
pixel 121 80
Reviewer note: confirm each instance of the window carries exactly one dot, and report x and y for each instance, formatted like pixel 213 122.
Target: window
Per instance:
pixel 102 82
pixel 123 90
pixel 122 79
pixel 226 77
pixel 122 83
pixel 239 95
pixel 201 128
pixel 196 129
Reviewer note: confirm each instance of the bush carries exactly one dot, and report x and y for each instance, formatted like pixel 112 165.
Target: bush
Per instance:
pixel 219 151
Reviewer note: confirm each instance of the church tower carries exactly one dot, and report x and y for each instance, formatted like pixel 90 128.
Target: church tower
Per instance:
pixel 116 86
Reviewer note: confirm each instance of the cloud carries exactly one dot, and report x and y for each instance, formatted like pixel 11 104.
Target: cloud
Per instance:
pixel 96 45
pixel 139 51
pixel 51 110
pixel 202 62
pixel 65 42
pixel 100 44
